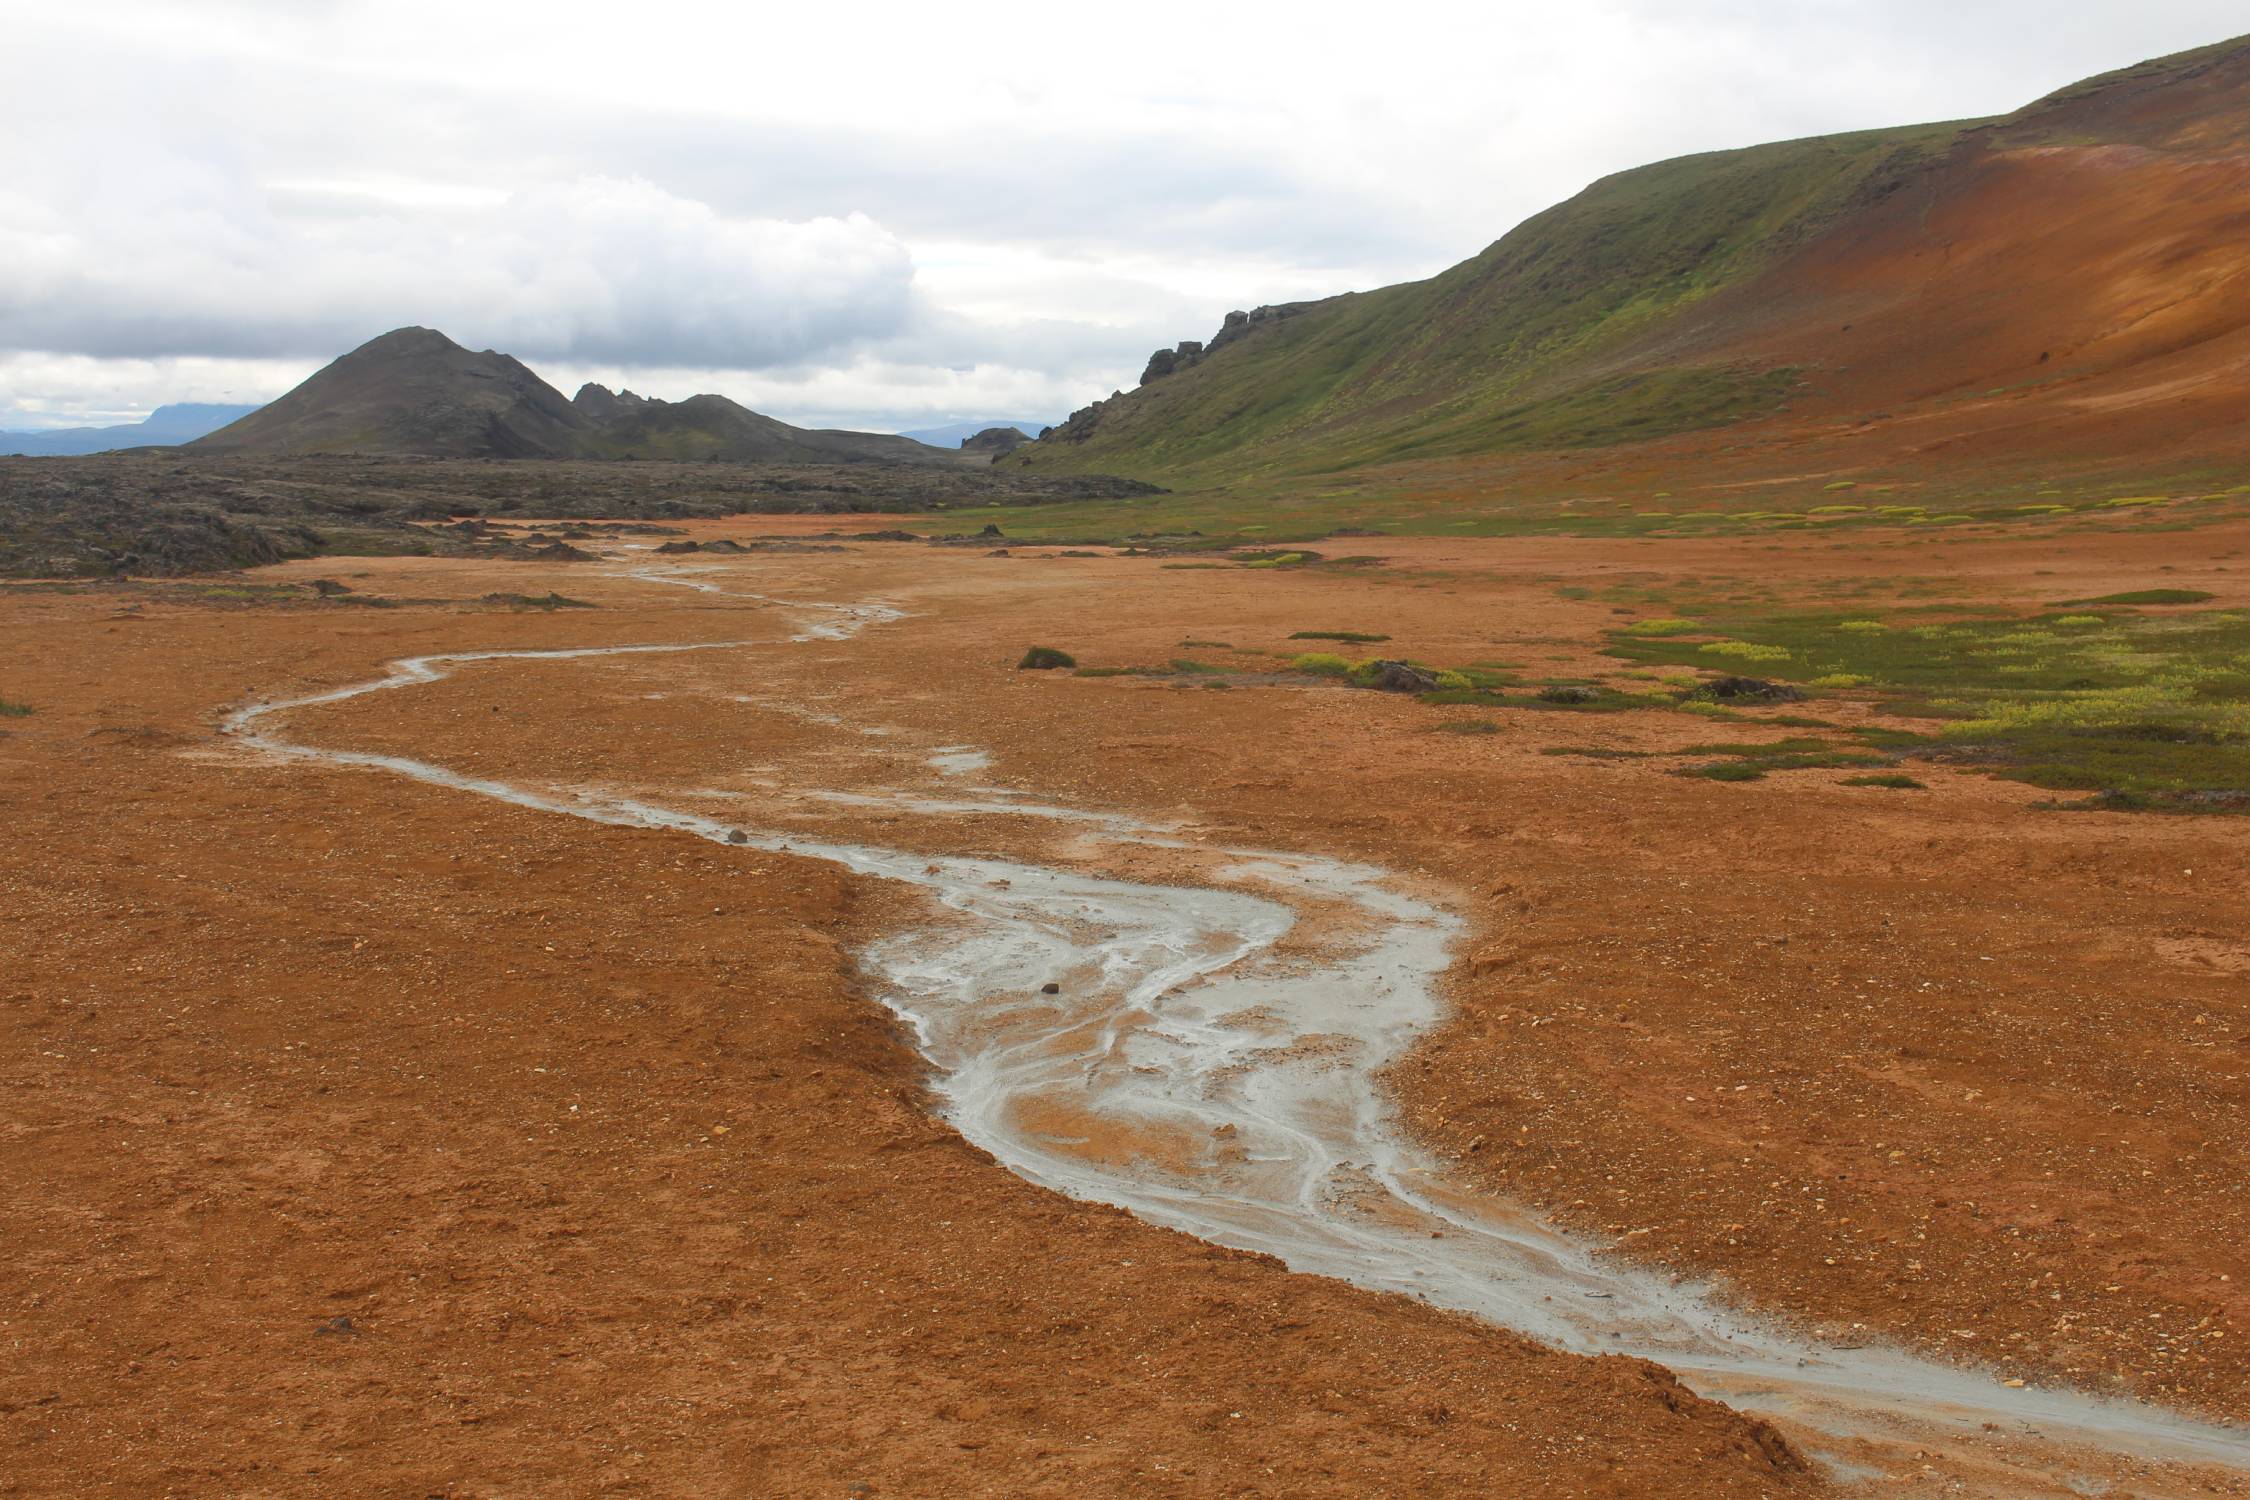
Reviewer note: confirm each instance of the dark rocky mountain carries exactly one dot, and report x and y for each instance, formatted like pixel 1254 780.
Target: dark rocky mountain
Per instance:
pixel 414 391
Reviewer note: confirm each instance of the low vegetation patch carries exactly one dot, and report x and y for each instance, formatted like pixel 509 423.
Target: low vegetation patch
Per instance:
pixel 2146 596
pixel 1045 659
pixel 1796 746
pixel 1358 636
pixel 1745 650
pixel 1384 672
pixel 1752 762
pixel 535 601
pixel 9 709
pixel 1891 779
pixel 2152 708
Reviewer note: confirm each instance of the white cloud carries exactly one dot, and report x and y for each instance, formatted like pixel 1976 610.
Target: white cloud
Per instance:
pixel 588 267
pixel 869 208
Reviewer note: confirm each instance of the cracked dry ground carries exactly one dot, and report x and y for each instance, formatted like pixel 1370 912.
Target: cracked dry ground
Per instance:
pixel 622 1188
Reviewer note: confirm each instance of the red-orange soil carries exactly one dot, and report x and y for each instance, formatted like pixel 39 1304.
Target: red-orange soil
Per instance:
pixel 2036 307
pixel 2064 298
pixel 624 1187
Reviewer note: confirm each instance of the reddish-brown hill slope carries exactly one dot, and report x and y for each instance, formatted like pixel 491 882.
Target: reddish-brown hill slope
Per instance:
pixel 2074 280
pixel 2067 283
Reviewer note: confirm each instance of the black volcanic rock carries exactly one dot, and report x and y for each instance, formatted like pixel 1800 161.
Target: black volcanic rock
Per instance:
pixel 995 441
pixel 1164 361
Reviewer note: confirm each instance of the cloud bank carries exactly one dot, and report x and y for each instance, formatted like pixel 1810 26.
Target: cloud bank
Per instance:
pixel 867 214
pixel 593 268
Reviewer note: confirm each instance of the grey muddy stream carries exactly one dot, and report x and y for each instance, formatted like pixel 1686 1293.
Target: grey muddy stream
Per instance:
pixel 1209 1058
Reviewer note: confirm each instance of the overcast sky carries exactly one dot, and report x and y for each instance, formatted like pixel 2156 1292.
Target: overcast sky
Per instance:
pixel 866 215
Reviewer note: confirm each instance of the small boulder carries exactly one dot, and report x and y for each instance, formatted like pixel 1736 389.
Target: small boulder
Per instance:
pixel 1400 677
pixel 1045 659
pixel 1748 690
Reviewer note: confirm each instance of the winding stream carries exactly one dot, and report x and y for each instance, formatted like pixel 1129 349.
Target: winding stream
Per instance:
pixel 1208 1060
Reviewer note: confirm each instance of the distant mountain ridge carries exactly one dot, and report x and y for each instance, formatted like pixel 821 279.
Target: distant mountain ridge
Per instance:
pixel 2065 282
pixel 954 434
pixel 179 422
pixel 623 425
pixel 414 391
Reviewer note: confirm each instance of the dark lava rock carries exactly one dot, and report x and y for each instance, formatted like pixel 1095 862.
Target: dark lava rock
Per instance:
pixel 737 836
pixel 1050 989
pixel 328 588
pixel 1045 659
pixel 996 441
pixel 676 547
pixel 1748 690
pixel 886 536
pixel 1400 677
pixel 557 552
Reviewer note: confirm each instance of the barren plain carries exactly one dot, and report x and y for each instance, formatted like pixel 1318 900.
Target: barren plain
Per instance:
pixel 377 1136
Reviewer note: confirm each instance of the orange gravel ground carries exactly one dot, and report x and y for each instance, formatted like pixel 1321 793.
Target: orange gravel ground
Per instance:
pixel 623 1188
